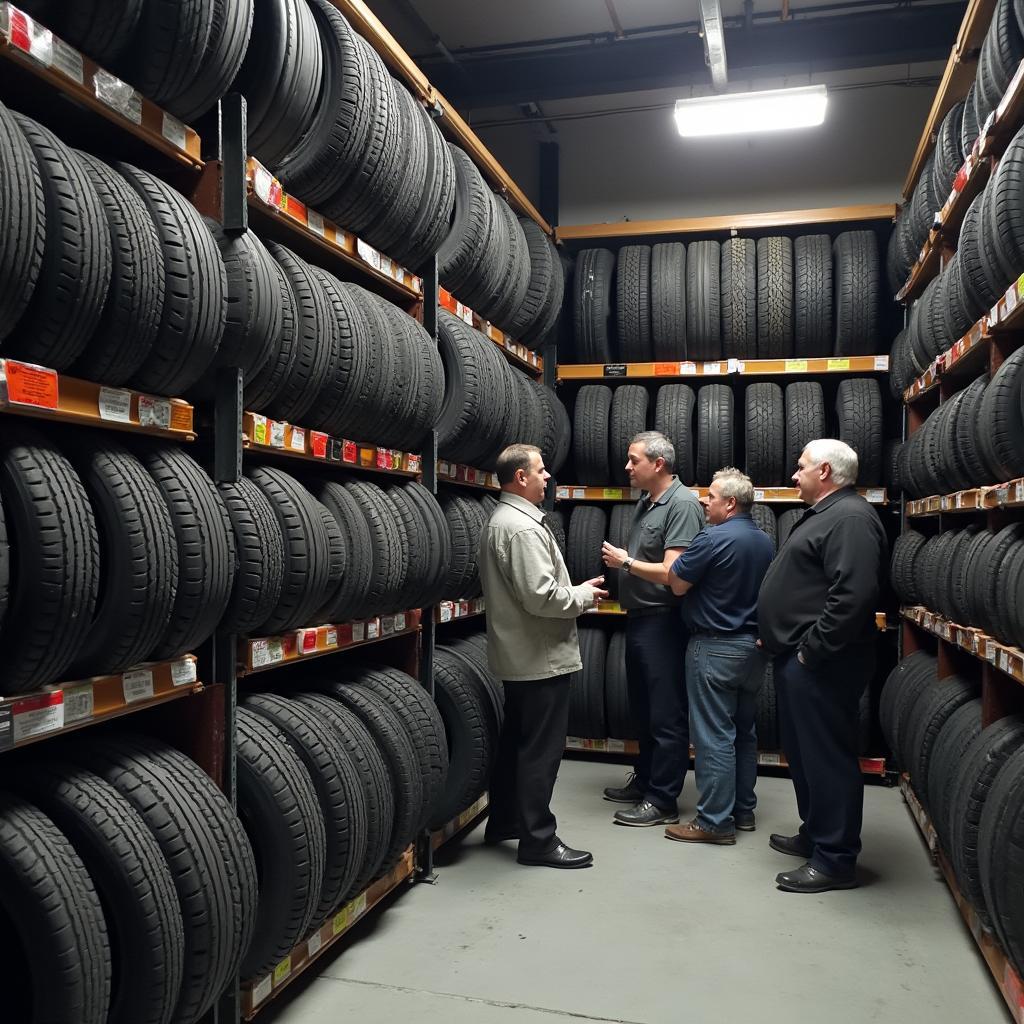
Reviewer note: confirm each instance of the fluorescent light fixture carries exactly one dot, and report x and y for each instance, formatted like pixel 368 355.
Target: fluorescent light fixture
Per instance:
pixel 746 112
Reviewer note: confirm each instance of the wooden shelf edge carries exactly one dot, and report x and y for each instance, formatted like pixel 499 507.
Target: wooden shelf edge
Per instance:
pixel 1006 659
pixel 258 993
pixel 515 352
pixel 762 495
pixel 27 42
pixel 65 707
pixel 276 437
pixel 734 222
pixel 1008 495
pixel 1006 978
pixel 261 654
pixel 466 476
pixel 27 389
pixel 459 823
pixel 722 367
pixel 458 611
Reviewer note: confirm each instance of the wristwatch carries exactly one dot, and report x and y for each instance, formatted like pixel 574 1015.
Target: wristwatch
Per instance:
pixel 627 565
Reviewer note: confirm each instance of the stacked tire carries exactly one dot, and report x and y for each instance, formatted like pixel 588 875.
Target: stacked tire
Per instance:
pixel 774 298
pixel 599 705
pixel 130 889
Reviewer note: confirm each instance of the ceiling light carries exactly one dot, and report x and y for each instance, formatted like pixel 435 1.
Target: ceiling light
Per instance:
pixel 745 112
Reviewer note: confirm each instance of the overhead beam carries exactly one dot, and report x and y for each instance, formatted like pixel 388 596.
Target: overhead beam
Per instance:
pixel 798 46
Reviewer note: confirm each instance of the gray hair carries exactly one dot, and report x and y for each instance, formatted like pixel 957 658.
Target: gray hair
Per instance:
pixel 735 484
pixel 838 454
pixel 657 446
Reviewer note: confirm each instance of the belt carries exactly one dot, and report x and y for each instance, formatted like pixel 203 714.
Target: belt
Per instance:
pixel 736 634
pixel 639 613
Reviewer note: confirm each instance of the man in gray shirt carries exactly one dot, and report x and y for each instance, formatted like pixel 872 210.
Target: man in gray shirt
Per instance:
pixel 665 520
pixel 533 647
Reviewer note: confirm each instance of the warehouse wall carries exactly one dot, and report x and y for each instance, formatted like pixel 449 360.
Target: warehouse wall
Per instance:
pixel 635 166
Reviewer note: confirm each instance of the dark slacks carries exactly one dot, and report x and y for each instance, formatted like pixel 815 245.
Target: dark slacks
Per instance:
pixel 655 657
pixel 819 717
pixel 529 753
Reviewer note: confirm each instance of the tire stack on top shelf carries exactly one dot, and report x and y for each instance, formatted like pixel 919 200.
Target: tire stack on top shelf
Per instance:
pixel 118 552
pixel 780 297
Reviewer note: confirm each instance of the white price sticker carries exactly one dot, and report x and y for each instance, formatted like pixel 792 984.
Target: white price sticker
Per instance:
pixel 315 222
pixel 875 496
pixel 400 621
pixel 332 637
pixel 735 366
pixel 68 61
pixel 579 492
pixel 117 95
pixel 276 434
pixel 687 369
pixel 36 716
pixel 174 131
pixel 116 404
pixel 616 746
pixel 137 685
pixel 78 703
pixel 298 439
pixel 262 183
pixel 260 651
pixel 154 412
pixel 881 362
pixel 262 990
pixel 358 632
pixel 758 495
pixel 712 368
pixel 446 608
pixel 183 672
pixel 313 945
pixel 368 254
pixel 372 629
pixel 769 759
pixel 1018 491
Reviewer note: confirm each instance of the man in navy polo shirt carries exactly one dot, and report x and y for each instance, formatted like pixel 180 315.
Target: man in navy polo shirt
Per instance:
pixel 720 573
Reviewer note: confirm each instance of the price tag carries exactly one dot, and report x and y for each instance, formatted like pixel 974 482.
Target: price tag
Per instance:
pixel 307 641
pixel 712 368
pixel 688 369
pixel 415 463
pixel 137 685
pixel 117 95
pixel 259 429
pixel 358 632
pixel 445 610
pixel 28 384
pixel 174 131
pixel 796 366
pixel 79 704
pixel 315 223
pixel 275 649
pixel 615 369
pixel 276 433
pixel 154 412
pixel 838 365
pixel 387 625
pixel 262 991
pixel 612 493
pixel 68 61
pixel 368 254
pixel 372 629
pixel 115 404
pixel 282 971
pixel 774 759
pixel 1011 298
pixel 295 208
pixel 666 369
pixel 318 444
pixel 381 458
pixel 183 672
pixel 313 945
pixel 466 314
pixel 331 637
pixel 262 183
pixel 349 452
pixel 579 493
pixel 357 907
pixel 37 716
pixel 30 38
pixel 758 495
pixel 1004 660
pixel 340 921
pixel 298 439
pixel 1018 491
pixel 875 496
pixel 881 362
pixel 400 621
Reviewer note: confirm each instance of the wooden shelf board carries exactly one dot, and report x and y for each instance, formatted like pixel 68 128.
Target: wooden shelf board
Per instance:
pixel 769 495
pixel 735 222
pixel 457 611
pixel 258 992
pixel 723 367
pixel 466 476
pixel 41 393
pixel 260 654
pixel 515 352
pixel 459 823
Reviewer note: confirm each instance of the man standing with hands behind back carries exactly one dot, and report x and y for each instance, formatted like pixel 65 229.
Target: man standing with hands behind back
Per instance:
pixel 533 647
pixel 816 617
pixel 665 520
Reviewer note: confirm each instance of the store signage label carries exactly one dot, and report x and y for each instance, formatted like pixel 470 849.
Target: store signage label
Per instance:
pixel 115 404
pixel 28 384
pixel 154 412
pixel 137 685
pixel 79 703
pixel 37 716
pixel 174 131
pixel 183 672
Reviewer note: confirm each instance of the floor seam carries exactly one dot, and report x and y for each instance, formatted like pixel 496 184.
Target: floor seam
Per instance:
pixel 499 1003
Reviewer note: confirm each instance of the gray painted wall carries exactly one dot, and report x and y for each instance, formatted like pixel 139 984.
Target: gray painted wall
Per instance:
pixel 636 167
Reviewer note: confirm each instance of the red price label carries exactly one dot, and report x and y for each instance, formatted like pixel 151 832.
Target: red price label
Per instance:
pixel 31 385
pixel 318 444
pixel 20 36
pixel 276 193
pixel 666 369
pixel 349 452
pixel 382 458
pixel 308 641
pixel 295 209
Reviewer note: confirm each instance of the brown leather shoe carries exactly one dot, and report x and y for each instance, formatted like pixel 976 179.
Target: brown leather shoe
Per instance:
pixel 694 832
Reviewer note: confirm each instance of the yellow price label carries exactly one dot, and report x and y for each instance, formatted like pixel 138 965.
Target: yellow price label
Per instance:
pixel 796 366
pixel 615 493
pixel 282 970
pixel 838 364
pixel 340 921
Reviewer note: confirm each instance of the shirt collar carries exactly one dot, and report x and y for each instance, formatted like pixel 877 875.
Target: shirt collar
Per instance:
pixel 522 505
pixel 672 488
pixel 831 499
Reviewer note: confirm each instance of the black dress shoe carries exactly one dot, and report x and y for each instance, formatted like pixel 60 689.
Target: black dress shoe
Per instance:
pixel 808 879
pixel 793 846
pixel 630 793
pixel 561 856
pixel 644 814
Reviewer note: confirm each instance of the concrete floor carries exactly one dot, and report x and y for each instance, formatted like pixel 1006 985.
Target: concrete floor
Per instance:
pixel 659 932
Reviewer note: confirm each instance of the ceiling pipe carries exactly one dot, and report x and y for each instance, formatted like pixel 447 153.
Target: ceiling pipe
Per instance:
pixel 713 34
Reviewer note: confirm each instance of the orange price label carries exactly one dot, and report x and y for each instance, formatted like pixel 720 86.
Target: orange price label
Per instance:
pixel 181 417
pixel 666 369
pixel 31 385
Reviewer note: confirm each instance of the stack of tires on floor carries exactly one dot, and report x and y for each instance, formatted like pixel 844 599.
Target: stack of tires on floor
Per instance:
pixel 776 426
pixel 1001 54
pixel 772 298
pixel 970 781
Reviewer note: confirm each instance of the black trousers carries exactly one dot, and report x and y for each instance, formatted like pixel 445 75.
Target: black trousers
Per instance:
pixel 655 660
pixel 819 717
pixel 529 753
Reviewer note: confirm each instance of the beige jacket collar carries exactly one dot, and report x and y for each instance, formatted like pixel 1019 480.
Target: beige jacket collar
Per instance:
pixel 520 503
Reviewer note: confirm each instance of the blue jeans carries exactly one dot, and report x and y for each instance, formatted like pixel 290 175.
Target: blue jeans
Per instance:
pixel 722 680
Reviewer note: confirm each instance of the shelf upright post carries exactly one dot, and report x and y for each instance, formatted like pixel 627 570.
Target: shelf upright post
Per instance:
pixel 424 846
pixel 550 354
pixel 233 144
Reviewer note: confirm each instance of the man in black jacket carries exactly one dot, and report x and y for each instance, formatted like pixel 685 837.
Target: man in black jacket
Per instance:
pixel 816 613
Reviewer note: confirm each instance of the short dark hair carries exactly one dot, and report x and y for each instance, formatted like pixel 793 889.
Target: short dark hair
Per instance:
pixel 514 458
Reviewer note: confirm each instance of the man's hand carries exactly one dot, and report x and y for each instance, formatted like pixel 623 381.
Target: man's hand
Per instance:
pixel 596 584
pixel 613 557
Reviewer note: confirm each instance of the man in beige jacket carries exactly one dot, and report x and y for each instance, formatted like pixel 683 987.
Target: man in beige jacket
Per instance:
pixel 533 647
